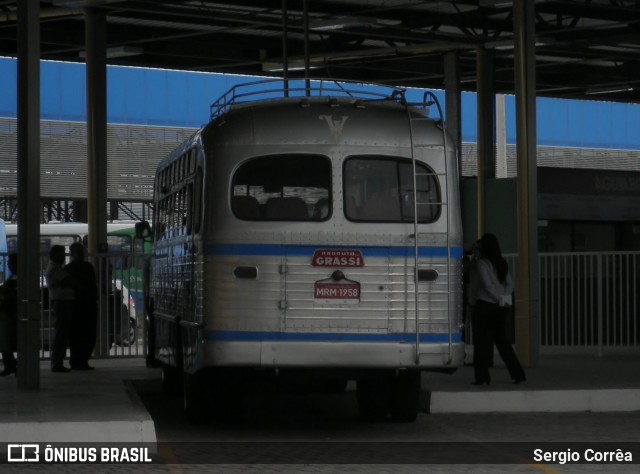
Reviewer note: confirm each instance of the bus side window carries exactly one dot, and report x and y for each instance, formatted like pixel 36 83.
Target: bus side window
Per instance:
pixel 197 202
pixel 12 244
pixel 189 206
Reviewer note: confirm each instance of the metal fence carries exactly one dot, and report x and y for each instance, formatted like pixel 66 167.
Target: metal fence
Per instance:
pixel 588 299
pixel 120 320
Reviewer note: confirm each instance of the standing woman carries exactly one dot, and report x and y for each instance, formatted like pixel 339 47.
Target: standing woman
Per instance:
pixel 489 315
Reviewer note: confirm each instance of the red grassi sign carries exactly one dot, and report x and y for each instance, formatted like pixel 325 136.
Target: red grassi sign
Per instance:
pixel 337 258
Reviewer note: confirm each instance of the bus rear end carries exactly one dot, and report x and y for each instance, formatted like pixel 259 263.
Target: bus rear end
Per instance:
pixel 311 261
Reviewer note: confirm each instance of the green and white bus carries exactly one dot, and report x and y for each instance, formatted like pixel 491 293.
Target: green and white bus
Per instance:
pixel 121 275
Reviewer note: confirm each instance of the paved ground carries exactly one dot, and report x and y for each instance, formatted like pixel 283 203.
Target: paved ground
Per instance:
pixel 101 406
pixel 555 372
pixel 84 406
pixel 560 383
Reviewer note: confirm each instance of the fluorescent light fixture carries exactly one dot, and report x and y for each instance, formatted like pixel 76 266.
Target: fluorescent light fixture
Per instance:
pixel 576 60
pixel 619 48
pixel 341 23
pixel 509 44
pixel 609 90
pixel 495 3
pixel 81 3
pixel 500 45
pixel 123 51
pixel 292 65
pixel 119 52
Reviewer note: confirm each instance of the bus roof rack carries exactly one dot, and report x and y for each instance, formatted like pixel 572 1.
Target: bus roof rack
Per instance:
pixel 273 89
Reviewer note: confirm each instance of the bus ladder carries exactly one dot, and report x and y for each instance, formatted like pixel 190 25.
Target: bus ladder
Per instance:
pixel 429 99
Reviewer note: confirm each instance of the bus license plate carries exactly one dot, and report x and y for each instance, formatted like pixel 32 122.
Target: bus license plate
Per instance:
pixel 337 293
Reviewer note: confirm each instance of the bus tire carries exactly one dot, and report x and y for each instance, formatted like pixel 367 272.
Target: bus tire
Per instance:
pixel 374 397
pixel 194 398
pixel 334 386
pixel 405 396
pixel 171 380
pixel 132 331
pixel 212 395
pixel 127 335
pixel 227 394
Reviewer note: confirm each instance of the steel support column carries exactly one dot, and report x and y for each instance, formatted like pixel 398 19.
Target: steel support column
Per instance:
pixel 452 102
pixel 285 49
pixel 486 130
pixel 96 41
pixel 527 289
pixel 501 137
pixel 305 22
pixel 29 194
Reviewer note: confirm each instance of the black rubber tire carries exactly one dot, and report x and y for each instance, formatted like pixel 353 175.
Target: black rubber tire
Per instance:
pixel 127 336
pixel 333 386
pixel 227 395
pixel 194 399
pixel 405 396
pixel 374 397
pixel 171 380
pixel 212 395
pixel 132 331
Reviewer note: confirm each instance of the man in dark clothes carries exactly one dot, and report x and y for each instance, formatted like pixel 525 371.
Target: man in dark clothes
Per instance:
pixel 61 291
pixel 9 317
pixel 83 331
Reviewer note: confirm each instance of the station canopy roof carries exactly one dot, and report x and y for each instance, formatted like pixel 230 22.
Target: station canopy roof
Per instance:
pixel 584 48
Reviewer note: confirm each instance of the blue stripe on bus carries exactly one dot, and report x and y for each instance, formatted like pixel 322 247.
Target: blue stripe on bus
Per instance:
pixel 328 337
pixel 275 250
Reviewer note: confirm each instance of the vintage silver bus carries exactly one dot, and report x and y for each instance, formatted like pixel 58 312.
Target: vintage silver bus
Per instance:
pixel 311 232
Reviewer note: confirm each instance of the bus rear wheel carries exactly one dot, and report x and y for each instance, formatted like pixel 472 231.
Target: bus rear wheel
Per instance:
pixel 212 395
pixel 194 397
pixel 374 397
pixel 171 379
pixel 405 396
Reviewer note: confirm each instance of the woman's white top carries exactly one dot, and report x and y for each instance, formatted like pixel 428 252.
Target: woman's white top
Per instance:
pixel 489 287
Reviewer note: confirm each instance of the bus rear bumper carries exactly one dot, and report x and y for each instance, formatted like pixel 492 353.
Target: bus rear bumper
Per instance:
pixel 294 354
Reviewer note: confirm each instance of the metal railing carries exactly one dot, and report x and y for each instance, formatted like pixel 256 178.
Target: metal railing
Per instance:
pixel 588 299
pixel 270 89
pixel 120 318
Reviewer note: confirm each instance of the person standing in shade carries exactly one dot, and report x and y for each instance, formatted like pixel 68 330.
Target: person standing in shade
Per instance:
pixel 85 315
pixel 9 317
pixel 61 291
pixel 489 315
pixel 470 291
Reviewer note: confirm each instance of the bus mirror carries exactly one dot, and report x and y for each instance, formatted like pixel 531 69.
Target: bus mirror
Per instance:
pixel 143 230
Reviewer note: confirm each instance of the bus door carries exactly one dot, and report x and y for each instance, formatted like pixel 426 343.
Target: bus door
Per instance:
pixel 337 290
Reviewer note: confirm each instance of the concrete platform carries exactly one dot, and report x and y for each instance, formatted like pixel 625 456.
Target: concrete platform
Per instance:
pixel 559 383
pixel 101 406
pixel 80 406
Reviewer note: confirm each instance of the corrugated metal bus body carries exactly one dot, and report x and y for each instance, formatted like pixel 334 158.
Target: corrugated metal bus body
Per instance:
pixel 304 253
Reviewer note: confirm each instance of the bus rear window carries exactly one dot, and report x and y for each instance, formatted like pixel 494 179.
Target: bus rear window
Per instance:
pixel 380 189
pixel 283 188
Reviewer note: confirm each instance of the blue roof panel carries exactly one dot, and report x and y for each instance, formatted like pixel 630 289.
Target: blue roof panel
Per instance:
pixel 182 99
pixel 8 93
pixel 582 123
